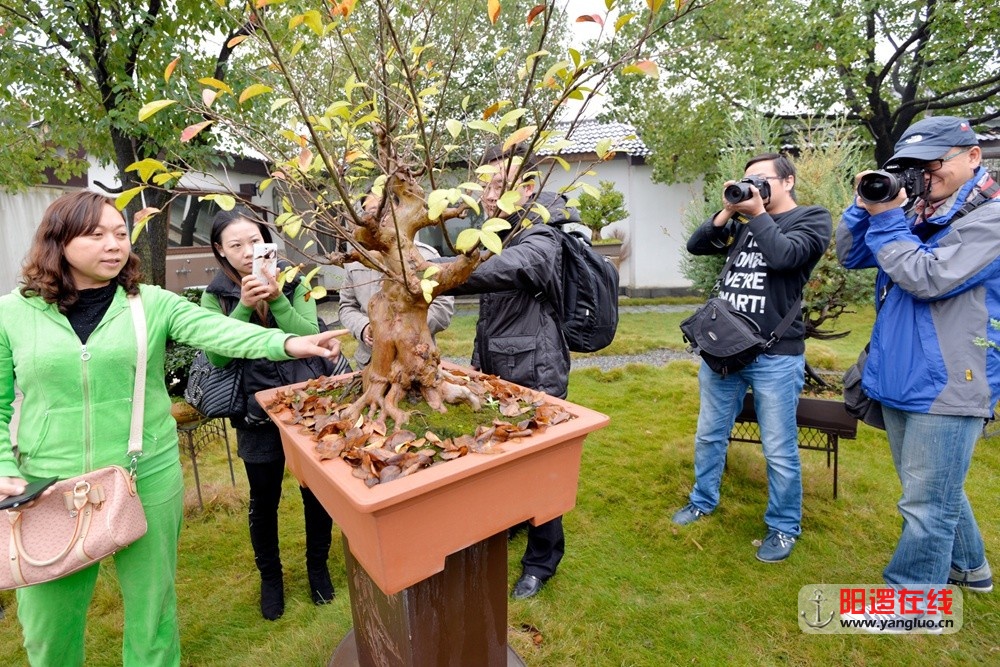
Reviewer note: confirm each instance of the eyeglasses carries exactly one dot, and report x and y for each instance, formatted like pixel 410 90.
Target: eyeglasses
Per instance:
pixel 934 165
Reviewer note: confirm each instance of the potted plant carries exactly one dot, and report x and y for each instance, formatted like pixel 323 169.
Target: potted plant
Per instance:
pixel 429 551
pixel 600 209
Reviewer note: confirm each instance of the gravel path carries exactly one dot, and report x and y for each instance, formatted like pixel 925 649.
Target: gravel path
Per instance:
pixel 653 357
pixel 607 362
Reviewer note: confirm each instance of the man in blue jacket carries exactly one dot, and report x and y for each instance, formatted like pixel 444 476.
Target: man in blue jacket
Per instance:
pixel 938 256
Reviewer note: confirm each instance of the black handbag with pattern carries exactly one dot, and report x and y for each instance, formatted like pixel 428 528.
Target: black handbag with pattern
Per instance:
pixel 216 392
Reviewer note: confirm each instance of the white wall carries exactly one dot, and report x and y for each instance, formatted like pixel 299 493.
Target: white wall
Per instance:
pixel 21 212
pixel 19 217
pixel 654 234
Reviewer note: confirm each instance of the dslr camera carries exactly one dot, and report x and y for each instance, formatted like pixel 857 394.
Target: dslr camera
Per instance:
pixel 883 185
pixel 740 191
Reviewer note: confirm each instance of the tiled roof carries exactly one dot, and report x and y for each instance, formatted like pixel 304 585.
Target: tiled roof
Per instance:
pixel 991 134
pixel 588 132
pixel 225 142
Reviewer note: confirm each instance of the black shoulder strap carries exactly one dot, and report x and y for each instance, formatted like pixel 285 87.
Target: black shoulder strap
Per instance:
pixel 786 321
pixel 734 249
pixel 983 196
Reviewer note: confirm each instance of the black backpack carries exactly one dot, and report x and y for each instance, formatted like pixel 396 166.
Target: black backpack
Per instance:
pixel 589 316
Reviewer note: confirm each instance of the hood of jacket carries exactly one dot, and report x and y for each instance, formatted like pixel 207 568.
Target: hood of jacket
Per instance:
pixel 560 213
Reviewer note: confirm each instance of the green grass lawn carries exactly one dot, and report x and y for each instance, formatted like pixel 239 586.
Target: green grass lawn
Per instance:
pixel 633 589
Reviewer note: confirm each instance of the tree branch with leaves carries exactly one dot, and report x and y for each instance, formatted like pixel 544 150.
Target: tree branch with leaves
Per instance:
pixel 392 111
pixel 877 65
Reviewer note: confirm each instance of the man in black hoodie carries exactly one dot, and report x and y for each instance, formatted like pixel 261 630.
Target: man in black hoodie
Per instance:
pixel 784 241
pixel 518 336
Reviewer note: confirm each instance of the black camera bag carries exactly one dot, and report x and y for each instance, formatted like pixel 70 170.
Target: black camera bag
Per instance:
pixel 725 338
pixel 857 403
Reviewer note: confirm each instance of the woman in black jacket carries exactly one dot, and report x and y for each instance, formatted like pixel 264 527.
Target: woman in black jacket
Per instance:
pixel 236 292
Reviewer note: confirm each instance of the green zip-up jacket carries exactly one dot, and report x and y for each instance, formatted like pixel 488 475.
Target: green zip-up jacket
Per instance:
pixel 77 403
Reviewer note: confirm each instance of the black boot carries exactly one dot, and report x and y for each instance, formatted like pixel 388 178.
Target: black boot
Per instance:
pixel 318 537
pixel 272 598
pixel 263 516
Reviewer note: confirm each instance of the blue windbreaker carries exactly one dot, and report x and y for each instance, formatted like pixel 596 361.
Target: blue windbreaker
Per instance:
pixel 927 353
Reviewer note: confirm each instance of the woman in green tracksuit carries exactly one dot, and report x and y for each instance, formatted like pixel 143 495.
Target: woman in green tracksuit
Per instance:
pixel 68 342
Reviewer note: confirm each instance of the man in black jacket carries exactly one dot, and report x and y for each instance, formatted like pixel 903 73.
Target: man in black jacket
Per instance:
pixel 518 336
pixel 783 243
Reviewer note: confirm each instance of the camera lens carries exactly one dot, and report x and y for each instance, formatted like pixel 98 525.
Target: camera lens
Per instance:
pixel 737 192
pixel 878 187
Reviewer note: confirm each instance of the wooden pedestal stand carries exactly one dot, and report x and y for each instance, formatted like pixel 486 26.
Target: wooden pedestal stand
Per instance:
pixel 455 617
pixel 427 554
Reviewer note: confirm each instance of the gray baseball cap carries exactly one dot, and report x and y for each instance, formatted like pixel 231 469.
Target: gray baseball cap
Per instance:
pixel 931 138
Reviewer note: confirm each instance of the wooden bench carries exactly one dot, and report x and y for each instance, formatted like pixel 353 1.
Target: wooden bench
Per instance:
pixel 821 424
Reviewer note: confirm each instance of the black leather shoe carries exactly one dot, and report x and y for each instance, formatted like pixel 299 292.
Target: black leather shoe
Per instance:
pixel 527 586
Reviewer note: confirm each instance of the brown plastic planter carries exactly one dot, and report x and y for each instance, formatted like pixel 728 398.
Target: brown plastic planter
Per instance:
pixel 402 532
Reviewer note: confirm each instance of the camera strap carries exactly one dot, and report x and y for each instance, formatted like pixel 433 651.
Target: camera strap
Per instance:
pixel 988 190
pixel 742 235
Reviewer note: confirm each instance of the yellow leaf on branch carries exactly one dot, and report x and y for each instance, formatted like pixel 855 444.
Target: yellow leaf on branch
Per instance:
pixel 491 241
pixel 122 200
pixel 146 168
pixel 170 69
pixel 253 91
pixel 467 240
pixel 517 136
pixel 191 131
pixel 151 108
pixel 645 67
pixel 215 83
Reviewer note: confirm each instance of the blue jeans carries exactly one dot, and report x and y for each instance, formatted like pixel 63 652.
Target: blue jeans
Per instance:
pixel 776 381
pixel 932 454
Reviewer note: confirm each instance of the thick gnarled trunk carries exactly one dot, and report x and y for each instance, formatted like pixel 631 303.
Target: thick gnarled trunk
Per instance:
pixel 405 358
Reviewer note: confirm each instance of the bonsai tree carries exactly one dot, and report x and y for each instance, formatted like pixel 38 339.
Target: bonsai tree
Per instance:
pixel 598 211
pixel 371 97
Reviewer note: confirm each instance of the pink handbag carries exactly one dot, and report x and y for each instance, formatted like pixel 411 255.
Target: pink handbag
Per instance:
pixel 82 519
